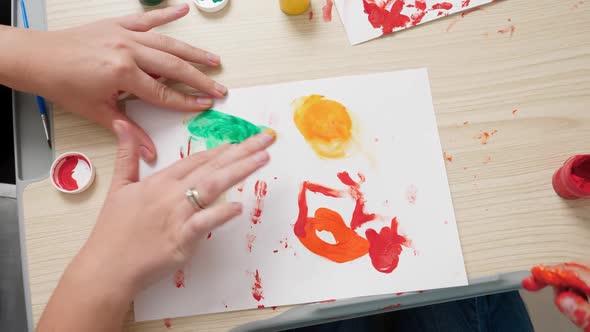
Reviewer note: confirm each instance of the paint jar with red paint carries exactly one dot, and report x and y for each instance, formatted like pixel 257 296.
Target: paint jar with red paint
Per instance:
pixel 572 180
pixel 72 173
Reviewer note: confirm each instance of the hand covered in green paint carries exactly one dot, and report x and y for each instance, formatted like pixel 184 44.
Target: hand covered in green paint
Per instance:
pixel 84 69
pixel 571 285
pixel 147 229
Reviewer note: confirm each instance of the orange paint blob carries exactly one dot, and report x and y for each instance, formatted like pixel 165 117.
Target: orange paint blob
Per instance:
pixel 325 124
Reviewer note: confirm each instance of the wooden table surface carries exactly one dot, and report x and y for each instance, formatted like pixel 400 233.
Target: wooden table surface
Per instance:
pixel 532 86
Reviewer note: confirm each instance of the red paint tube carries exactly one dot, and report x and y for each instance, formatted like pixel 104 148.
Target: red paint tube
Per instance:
pixel 572 180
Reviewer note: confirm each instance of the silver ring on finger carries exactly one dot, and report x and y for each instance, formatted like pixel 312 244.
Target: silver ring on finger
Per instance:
pixel 192 195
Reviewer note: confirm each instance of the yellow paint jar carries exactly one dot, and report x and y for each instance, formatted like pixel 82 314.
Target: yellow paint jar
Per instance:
pixel 294 7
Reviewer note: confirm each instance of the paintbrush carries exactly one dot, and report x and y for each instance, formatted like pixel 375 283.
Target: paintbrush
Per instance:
pixel 40 100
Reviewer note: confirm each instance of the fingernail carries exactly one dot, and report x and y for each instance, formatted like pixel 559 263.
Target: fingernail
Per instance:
pixel 213 59
pixel 268 136
pixel 145 153
pixel 261 157
pixel 204 101
pixel 181 8
pixel 237 206
pixel 220 88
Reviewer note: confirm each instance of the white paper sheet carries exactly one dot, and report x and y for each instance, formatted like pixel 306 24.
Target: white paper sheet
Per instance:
pixel 397 150
pixel 368 19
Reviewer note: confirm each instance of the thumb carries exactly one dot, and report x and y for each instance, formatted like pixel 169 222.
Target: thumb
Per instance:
pixel 127 162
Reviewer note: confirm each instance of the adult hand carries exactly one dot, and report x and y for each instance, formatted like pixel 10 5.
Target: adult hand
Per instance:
pixel 83 69
pixel 147 229
pixel 571 284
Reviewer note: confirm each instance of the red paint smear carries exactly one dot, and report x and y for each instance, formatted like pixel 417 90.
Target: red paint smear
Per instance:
pixel 179 278
pixel 167 323
pixel 469 11
pixel 387 20
pixel 562 276
pixel 465 123
pixel 446 222
pixel 261 306
pixel 310 15
pixel 509 29
pixel 581 174
pixel 328 301
pixel 327 10
pixel 400 293
pixel 209 235
pixel 443 5
pixel 275 178
pixel 250 238
pixel 257 287
pixel 274 307
pixel 240 187
pixel 385 247
pixel 375 140
pixel 574 307
pixel 514 112
pixel 411 194
pixel 465 3
pixel 63 176
pixel 420 291
pixel 260 190
pixel 359 216
pixel 392 306
pixel 275 251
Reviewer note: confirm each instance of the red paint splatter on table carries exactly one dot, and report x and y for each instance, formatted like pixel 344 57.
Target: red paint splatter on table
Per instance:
pixel 250 238
pixel 260 191
pixel 167 323
pixel 577 4
pixel 514 112
pixel 385 247
pixel 327 11
pixel 257 287
pixel 179 278
pixel 411 194
pixel 392 306
pixel 447 157
pixel 462 16
pixel 484 136
pixel 466 123
pixel 510 29
pixel 209 235
pixel 310 15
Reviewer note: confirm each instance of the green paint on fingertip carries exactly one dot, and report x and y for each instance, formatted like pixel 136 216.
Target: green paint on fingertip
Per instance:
pixel 217 128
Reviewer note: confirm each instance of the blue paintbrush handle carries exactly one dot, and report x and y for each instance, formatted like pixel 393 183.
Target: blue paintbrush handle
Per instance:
pixel 24 13
pixel 41 104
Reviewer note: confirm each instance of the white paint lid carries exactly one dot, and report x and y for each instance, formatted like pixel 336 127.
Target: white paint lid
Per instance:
pixel 211 6
pixel 72 173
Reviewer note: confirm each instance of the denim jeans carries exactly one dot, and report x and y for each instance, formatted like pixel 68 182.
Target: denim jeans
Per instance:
pixel 504 312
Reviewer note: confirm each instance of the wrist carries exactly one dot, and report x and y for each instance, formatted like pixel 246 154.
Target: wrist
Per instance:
pixel 18 47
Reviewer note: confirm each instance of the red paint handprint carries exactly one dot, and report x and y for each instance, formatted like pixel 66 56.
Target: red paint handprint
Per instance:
pixel 384 247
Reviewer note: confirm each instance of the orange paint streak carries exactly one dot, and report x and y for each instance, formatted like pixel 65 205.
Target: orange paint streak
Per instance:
pixel 574 307
pixel 179 278
pixel 383 247
pixel 260 191
pixel 325 125
pixel 447 157
pixel 563 276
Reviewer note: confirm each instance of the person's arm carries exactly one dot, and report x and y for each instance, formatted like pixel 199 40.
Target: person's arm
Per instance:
pixel 84 69
pixel 141 235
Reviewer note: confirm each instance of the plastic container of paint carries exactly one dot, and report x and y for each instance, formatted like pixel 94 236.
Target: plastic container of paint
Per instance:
pixel 72 173
pixel 294 7
pixel 572 180
pixel 211 6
